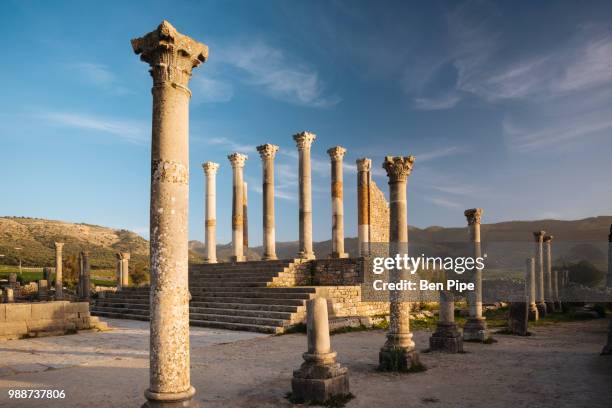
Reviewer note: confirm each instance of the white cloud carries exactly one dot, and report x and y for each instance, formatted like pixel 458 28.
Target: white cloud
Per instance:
pixel 230 145
pixel 443 202
pixel 436 103
pixel 211 90
pixel 437 154
pixel 270 69
pixel 98 75
pixel 132 131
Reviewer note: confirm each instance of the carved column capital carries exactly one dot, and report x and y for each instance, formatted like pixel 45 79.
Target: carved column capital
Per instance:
pixel 267 151
pixel 170 54
pixel 237 160
pixel 210 168
pixel 336 153
pixel 539 235
pixel 303 140
pixel 473 215
pixel 59 246
pixel 364 164
pixel 398 168
pixel 548 239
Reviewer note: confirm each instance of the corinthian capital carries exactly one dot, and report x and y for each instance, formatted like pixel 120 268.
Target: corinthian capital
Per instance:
pixel 267 151
pixel 210 168
pixel 170 54
pixel 336 153
pixel 398 168
pixel 539 235
pixel 473 215
pixel 237 160
pixel 303 140
pixel 364 164
pixel 548 238
pixel 59 246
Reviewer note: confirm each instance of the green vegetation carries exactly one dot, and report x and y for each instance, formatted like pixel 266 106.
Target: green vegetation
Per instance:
pixel 584 273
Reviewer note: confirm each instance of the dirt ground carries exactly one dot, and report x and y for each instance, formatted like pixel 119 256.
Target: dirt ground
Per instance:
pixel 559 366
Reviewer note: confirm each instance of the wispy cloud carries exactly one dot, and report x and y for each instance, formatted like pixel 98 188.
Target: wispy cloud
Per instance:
pixel 442 202
pixel 273 71
pixel 438 153
pixel 211 90
pixel 230 145
pixel 436 103
pixel 99 75
pixel 130 130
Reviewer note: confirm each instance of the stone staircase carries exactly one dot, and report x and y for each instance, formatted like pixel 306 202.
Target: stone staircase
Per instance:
pixel 239 296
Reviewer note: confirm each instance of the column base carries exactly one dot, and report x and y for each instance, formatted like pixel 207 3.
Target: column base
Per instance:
pixel 534 314
pixel 446 338
pixel 542 312
pixel 550 307
pixel 338 255
pixel 170 400
pixel 269 258
pixel 235 258
pixel 475 329
pixel 306 255
pixel 210 261
pixel 398 359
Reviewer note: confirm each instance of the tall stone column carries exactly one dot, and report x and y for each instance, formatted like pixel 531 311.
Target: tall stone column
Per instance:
pixel 86 275
pixel 125 269
pixel 530 284
pixel 337 187
pixel 210 222
pixel 539 259
pixel 303 141
pixel 364 166
pixel 119 272
pixel 548 285
pixel 398 352
pixel 245 219
pixel 237 161
pixel 172 56
pixel 475 328
pixel 267 152
pixel 59 284
pixel 609 276
pixel 80 291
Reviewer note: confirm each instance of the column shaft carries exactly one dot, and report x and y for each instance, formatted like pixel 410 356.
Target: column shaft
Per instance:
pixel 530 286
pixel 210 222
pixel 59 284
pixel 267 153
pixel 237 161
pixel 303 141
pixel 363 205
pixel 125 269
pixel 539 266
pixel 548 286
pixel 245 219
pixel 86 282
pixel 337 187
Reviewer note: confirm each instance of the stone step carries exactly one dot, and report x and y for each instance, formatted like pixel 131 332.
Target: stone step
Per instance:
pixel 140 306
pixel 201 289
pixel 238 326
pixel 122 315
pixel 259 321
pixel 248 306
pixel 195 311
pixel 259 283
pixel 234 277
pixel 140 301
pixel 238 269
pixel 269 294
pixel 244 300
pixel 125 310
pixel 246 264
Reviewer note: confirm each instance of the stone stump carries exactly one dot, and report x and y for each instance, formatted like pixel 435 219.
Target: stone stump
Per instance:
pixel 12 280
pixel 518 318
pixel 319 377
pixel 9 297
pixel 447 337
pixel 43 289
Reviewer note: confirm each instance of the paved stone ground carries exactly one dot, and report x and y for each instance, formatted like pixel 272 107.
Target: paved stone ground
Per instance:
pixel 559 366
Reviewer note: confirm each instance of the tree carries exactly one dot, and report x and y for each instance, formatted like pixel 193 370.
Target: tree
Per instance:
pixel 584 273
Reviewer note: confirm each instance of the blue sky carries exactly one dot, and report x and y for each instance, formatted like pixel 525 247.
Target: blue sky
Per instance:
pixel 506 106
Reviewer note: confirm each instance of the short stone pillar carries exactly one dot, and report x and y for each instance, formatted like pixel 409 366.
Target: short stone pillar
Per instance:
pixel 210 221
pixel 12 280
pixel 59 284
pixel 320 377
pixel 237 161
pixel 548 285
pixel 530 283
pixel 398 353
pixel 267 152
pixel 607 350
pixel 337 187
pixel 447 337
pixel 364 166
pixel 609 275
pixel 245 220
pixel 172 56
pixel 303 141
pixel 475 328
pixel 9 296
pixel 518 316
pixel 43 289
pixel 539 261
pixel 86 283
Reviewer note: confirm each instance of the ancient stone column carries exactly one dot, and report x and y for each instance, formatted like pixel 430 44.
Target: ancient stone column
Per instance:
pixel 337 187
pixel 245 220
pixel 237 161
pixel 539 259
pixel 171 56
pixel 86 282
pixel 267 153
pixel 9 295
pixel 119 270
pixel 398 352
pixel 447 337
pixel 364 166
pixel 320 377
pixel 530 285
pixel 548 286
pixel 475 328
pixel 609 276
pixel 303 141
pixel 80 281
pixel 59 285
pixel 125 269
pixel 555 283
pixel 210 222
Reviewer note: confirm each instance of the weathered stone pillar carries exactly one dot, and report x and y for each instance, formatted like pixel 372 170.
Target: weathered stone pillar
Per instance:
pixel 609 276
pixel 12 280
pixel 9 295
pixel 319 377
pixel 171 56
pixel 119 273
pixel 267 152
pixel 518 317
pixel 475 328
pixel 446 338
pixel 245 220
pixel 530 286
pixel 364 166
pixel 80 281
pixel 86 282
pixel 398 352
pixel 237 161
pixel 548 286
pixel 539 259
pixel 555 283
pixel 125 269
pixel 210 222
pixel 59 284
pixel 304 141
pixel 337 196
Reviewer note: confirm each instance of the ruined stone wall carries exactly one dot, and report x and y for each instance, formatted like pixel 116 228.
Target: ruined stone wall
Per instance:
pixel 344 301
pixel 379 215
pixel 322 272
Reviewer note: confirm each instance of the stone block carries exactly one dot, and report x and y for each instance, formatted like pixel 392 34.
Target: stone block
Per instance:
pixel 2 312
pixel 18 312
pixel 319 390
pixel 45 325
pixel 13 329
pixel 47 310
